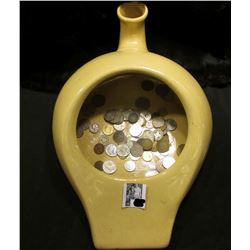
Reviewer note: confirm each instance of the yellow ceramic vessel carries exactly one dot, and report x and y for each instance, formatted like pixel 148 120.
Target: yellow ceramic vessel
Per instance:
pixel 117 74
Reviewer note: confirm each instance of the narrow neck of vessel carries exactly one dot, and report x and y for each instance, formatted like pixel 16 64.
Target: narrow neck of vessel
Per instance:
pixel 132 17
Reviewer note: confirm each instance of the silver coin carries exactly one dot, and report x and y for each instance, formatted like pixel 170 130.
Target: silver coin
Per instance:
pixel 123 150
pixel 129 166
pixel 136 130
pixel 158 134
pixel 93 128
pixel 148 134
pixel 168 161
pixel 146 115
pixel 171 124
pixel 149 124
pixel 158 122
pixel 141 121
pixel 104 139
pixel 130 141
pixel 109 167
pixel 120 127
pixel 134 158
pixel 147 156
pixel 111 150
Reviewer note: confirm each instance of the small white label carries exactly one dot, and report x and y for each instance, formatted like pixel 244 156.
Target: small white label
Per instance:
pixel 134 195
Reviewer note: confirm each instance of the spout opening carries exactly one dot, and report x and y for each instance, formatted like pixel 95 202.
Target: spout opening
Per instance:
pixel 132 12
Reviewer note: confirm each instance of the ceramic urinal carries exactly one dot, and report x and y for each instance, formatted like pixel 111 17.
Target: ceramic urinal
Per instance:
pixel 121 78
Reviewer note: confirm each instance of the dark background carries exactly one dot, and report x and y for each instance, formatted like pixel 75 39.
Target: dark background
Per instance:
pixel 56 38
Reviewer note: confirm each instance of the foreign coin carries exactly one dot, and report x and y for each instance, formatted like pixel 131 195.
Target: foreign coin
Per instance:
pixel 111 150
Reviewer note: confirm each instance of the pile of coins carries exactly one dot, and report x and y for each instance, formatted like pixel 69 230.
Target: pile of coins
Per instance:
pixel 132 135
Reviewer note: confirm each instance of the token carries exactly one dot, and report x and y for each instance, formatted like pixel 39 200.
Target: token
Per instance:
pixel 94 128
pixel 145 143
pixel 118 137
pixel 129 166
pixel 180 148
pixel 79 132
pixel 111 150
pixel 136 150
pixel 118 118
pixel 120 127
pixel 108 129
pixel 104 139
pixel 133 117
pixel 123 150
pixel 126 114
pixel 98 165
pixel 141 121
pixel 110 115
pixel 109 167
pixel 158 134
pixel 142 103
pixel 136 130
pixel 168 161
pixel 147 85
pixel 99 148
pixel 171 124
pixel 149 124
pixel 146 115
pixel 98 100
pixel 148 134
pixel 158 122
pixel 147 156
pixel 163 145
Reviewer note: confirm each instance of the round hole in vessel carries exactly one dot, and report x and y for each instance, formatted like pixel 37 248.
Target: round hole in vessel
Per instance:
pixel 132 126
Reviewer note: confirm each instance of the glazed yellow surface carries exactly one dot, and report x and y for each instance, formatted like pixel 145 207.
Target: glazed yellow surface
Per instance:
pixel 101 195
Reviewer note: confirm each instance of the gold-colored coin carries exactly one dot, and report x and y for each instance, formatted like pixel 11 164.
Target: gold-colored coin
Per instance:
pixel 145 143
pixel 108 129
pixel 163 145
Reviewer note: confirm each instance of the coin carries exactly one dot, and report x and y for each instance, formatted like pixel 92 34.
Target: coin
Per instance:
pixel 99 148
pixel 136 130
pixel 147 156
pixel 151 173
pixel 126 114
pixel 171 124
pixel 79 132
pixel 148 134
pixel 98 165
pixel 104 139
pixel 118 118
pixel 120 127
pixel 84 123
pixel 108 129
pixel 130 142
pixel 162 90
pixel 147 85
pixel 94 128
pixel 136 150
pixel 110 115
pixel 123 150
pixel 109 167
pixel 160 168
pixel 98 100
pixel 163 145
pixel 146 115
pixel 145 143
pixel 129 166
pixel 180 148
pixel 168 161
pixel 141 121
pixel 158 134
pixel 158 122
pixel 118 137
pixel 134 158
pixel 111 150
pixel 149 124
pixel 133 117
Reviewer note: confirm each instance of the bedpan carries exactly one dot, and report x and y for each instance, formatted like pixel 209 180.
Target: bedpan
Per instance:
pixel 133 207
